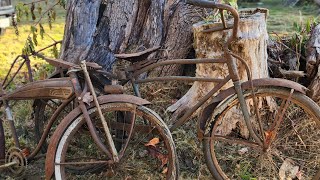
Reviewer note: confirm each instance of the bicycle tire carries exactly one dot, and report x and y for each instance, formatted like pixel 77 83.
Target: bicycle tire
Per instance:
pixel 294 148
pixel 138 161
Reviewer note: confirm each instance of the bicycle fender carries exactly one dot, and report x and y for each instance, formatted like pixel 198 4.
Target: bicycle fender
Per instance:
pixel 112 98
pixel 264 82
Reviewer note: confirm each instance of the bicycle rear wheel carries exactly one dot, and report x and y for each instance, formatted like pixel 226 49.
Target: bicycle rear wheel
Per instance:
pixel 143 141
pixel 291 146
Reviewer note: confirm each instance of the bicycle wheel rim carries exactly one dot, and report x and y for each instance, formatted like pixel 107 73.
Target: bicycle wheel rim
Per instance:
pixel 140 111
pixel 246 168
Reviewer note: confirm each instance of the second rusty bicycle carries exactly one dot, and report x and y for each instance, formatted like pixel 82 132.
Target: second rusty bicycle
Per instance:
pixel 261 129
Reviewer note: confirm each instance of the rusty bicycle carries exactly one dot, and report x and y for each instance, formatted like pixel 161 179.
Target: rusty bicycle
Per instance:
pixel 114 133
pixel 277 129
pixel 276 132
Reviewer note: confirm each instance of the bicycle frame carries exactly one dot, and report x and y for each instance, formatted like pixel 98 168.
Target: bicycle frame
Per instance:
pixel 66 89
pixel 60 88
pixel 228 58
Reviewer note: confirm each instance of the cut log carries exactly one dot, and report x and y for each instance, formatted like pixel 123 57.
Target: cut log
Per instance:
pixel 252 46
pixel 313 60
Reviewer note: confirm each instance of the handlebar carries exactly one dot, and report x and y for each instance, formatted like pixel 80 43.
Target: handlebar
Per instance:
pixel 221 7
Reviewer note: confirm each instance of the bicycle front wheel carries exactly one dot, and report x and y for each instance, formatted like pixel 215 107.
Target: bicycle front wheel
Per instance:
pixel 143 141
pixel 289 129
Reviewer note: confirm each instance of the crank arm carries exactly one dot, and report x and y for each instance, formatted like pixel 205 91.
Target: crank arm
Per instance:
pixel 8 165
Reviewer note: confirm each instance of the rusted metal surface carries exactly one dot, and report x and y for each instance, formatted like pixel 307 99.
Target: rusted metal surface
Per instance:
pixel 273 130
pixel 187 114
pixel 137 72
pixel 86 163
pixel 30 76
pixel 234 140
pixel 7 76
pixel 133 57
pixel 213 5
pixel 132 119
pixel 57 63
pixel 49 164
pixel 59 88
pixel 122 98
pixel 70 88
pixel 245 112
pixel 113 89
pixel 275 82
pixel 179 78
pixel 14 75
pixel 265 82
pixel 106 129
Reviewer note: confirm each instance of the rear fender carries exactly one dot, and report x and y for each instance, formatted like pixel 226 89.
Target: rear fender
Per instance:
pixel 266 82
pixel 49 164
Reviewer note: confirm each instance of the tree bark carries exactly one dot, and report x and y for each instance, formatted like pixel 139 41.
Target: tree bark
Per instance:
pixel 96 30
pixel 252 47
pixel 313 61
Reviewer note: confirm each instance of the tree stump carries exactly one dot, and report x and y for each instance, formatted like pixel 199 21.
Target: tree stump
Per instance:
pixel 313 68
pixel 252 47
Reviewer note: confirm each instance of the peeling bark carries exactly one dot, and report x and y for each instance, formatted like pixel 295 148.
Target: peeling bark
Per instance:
pixel 313 61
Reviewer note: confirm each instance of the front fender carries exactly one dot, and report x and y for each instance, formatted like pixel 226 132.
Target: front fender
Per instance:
pixel 265 82
pixel 112 98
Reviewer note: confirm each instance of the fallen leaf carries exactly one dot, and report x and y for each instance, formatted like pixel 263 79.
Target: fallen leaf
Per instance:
pixel 153 142
pixel 269 136
pixel 164 171
pixel 155 152
pixel 288 170
pixel 87 98
pixel 25 152
pixel 110 173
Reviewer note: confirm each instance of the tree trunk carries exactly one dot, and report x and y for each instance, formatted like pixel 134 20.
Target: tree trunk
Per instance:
pixel 313 60
pixel 252 47
pixel 96 30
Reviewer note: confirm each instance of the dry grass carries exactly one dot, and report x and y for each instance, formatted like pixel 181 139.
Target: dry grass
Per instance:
pixel 189 149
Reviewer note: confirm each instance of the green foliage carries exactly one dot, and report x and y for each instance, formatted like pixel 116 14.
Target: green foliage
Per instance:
pixel 28 47
pixel 55 51
pixel 41 30
pixel 301 35
pixel 302 32
pixel 33 34
pixel 232 3
pixel 63 3
pixel 282 17
pixel 243 171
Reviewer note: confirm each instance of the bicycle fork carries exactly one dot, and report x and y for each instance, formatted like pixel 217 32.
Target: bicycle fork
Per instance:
pixel 237 85
pixel 114 152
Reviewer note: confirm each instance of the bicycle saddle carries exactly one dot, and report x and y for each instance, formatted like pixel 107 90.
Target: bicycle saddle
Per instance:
pixel 138 56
